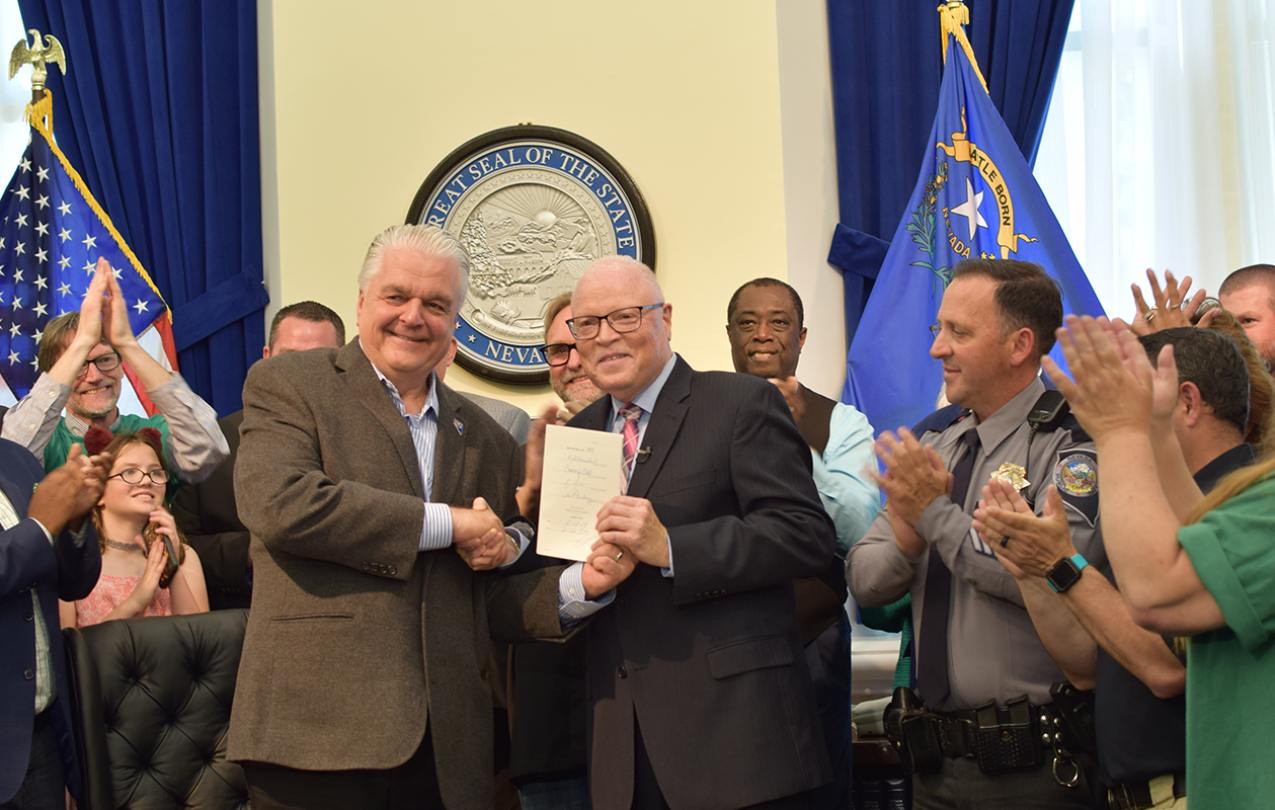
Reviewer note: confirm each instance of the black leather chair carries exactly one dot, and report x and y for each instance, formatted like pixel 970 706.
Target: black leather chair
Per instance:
pixel 151 700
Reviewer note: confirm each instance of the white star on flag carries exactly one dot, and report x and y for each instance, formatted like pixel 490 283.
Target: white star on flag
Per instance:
pixel 39 273
pixel 969 208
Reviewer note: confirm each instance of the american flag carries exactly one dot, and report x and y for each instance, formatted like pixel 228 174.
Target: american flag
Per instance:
pixel 52 235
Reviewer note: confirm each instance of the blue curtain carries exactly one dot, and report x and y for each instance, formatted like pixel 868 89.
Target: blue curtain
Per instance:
pixel 158 113
pixel 886 69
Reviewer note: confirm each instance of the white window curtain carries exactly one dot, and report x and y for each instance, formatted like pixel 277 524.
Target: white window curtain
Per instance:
pixel 14 93
pixel 1159 147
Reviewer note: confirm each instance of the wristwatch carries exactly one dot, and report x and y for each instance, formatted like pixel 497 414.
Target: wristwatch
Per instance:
pixel 1065 572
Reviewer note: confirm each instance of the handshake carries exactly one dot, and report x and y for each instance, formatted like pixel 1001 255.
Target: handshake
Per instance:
pixel 479 536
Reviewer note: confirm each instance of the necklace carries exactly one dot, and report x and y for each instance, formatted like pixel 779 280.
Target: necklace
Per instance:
pixel 125 546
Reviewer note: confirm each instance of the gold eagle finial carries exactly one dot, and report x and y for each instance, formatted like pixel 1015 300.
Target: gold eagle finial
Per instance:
pixel 39 56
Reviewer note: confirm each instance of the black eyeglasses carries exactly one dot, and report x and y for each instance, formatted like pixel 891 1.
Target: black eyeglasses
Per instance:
pixel 106 362
pixel 586 327
pixel 558 354
pixel 134 476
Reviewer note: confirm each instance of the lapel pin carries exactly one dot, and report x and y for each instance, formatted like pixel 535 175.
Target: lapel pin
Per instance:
pixel 460 426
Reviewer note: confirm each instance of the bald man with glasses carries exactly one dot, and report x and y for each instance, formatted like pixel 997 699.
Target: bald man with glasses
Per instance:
pixel 699 691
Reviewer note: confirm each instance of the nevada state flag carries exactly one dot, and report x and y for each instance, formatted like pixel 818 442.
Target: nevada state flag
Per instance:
pixel 975 196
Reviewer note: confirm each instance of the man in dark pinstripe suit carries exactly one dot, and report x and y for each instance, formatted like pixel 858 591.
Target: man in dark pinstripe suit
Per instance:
pixel 699 692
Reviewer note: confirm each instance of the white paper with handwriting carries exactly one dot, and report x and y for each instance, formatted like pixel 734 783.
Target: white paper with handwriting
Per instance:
pixel 582 472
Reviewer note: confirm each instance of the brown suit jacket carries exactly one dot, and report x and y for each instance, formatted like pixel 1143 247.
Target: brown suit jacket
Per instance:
pixel 355 638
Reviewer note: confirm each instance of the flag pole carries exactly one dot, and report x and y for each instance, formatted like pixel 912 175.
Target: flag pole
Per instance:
pixel 953 17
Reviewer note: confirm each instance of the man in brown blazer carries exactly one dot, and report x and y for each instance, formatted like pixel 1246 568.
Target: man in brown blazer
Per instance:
pixel 360 477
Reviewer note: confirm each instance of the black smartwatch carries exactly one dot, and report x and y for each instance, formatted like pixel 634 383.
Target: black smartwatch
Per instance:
pixel 1065 573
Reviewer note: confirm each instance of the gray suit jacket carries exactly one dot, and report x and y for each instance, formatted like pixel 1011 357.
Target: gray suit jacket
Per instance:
pixel 510 417
pixel 355 638
pixel 709 660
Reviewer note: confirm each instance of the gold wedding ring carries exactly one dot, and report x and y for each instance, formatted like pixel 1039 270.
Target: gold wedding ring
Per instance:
pixel 619 556
pixel 1150 316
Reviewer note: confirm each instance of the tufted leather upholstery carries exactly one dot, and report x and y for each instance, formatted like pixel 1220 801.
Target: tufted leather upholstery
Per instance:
pixel 152 703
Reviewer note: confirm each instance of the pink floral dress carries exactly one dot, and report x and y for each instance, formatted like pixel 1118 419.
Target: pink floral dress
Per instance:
pixel 110 593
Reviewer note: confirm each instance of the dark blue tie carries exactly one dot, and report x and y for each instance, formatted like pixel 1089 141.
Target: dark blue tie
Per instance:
pixel 932 674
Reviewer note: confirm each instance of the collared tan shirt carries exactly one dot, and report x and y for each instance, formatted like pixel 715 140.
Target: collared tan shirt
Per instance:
pixel 994 651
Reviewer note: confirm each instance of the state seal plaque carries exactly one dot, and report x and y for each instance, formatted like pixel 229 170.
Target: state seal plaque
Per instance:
pixel 534 206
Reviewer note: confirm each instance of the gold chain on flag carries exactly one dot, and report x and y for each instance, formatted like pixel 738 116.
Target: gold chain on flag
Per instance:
pixel 39 114
pixel 953 17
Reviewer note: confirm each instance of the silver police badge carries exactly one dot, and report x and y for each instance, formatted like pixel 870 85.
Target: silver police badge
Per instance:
pixel 534 206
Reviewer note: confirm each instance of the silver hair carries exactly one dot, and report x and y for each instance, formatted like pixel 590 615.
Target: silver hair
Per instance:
pixel 427 240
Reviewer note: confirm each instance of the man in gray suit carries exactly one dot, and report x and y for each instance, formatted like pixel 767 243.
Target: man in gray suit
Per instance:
pixel 510 417
pixel 360 478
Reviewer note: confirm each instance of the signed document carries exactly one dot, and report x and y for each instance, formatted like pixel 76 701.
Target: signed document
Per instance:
pixel 582 472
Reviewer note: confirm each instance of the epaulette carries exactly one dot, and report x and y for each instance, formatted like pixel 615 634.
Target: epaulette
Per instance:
pixel 940 420
pixel 1052 412
pixel 1078 432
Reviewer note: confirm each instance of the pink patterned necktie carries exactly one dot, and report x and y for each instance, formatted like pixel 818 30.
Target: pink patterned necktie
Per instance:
pixel 631 413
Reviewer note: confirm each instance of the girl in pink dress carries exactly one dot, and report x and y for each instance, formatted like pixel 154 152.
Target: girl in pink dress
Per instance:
pixel 132 581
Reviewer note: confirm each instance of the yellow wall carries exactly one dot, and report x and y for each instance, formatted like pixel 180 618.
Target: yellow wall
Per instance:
pixel 361 101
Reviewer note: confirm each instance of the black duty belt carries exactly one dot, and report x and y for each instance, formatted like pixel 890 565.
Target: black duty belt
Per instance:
pixel 1137 796
pixel 1007 738
pixel 1002 739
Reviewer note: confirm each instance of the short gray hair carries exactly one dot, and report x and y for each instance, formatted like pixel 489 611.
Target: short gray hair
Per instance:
pixel 426 240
